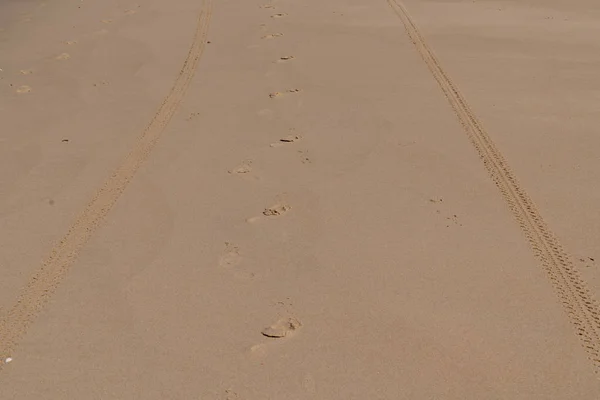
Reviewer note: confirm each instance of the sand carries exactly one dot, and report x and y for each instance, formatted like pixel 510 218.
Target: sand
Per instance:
pixel 299 199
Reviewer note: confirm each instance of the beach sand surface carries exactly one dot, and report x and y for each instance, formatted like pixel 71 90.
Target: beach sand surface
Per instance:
pixel 238 200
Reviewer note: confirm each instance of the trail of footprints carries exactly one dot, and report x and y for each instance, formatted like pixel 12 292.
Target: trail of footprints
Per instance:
pixel 288 324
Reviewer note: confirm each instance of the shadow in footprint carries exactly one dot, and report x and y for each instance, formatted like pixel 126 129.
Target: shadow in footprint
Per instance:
pixel 286 140
pixel 285 59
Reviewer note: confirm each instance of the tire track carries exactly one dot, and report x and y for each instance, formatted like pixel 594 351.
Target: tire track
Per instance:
pixel 42 285
pixel 580 306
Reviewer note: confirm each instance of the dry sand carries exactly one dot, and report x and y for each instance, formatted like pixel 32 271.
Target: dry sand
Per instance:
pixel 323 217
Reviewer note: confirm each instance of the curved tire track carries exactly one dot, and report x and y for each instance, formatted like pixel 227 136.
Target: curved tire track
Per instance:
pixel 579 304
pixel 42 285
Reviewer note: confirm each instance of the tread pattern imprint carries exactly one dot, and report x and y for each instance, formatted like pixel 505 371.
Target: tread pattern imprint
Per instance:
pixel 581 307
pixel 37 292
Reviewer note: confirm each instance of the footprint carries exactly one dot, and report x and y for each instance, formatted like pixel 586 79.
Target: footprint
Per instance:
pixel 130 12
pixel 304 157
pixel 24 89
pixel 26 71
pixel 278 94
pixel 277 210
pixel 107 21
pixel 286 140
pixel 244 168
pixel 230 395
pixel 252 220
pixel 284 327
pixel 407 143
pixel 280 15
pixel 258 350
pixel 63 56
pixel 71 42
pixel 272 35
pixel 267 6
pixel 285 59
pixel 230 257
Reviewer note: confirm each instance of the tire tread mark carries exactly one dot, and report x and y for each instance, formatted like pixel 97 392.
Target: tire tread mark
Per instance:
pixel 579 304
pixel 37 292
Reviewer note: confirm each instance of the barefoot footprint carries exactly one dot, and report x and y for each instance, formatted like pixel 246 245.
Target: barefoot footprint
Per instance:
pixel 282 328
pixel 244 168
pixel 230 257
pixel 286 140
pixel 230 395
pixel 277 210
pixel 63 56
pixel 278 94
pixel 272 35
pixel 24 89
pixel 285 59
